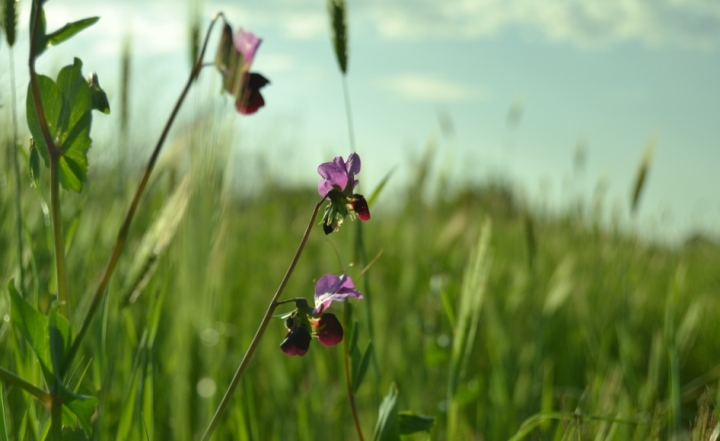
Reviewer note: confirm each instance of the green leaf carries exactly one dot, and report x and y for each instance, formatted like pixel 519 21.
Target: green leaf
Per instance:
pixel 68 106
pixel 388 427
pixel 411 422
pixel 380 187
pixel 77 97
pixel 33 326
pixel 34 162
pixel 51 98
pixel 99 98
pixel 84 409
pixel 60 340
pixel 3 423
pixel 70 30
pixel 358 375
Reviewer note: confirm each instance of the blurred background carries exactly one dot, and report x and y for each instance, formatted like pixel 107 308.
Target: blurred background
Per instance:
pixel 559 99
pixel 513 133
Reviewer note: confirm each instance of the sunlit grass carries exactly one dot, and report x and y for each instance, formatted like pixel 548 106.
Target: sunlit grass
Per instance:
pixel 604 336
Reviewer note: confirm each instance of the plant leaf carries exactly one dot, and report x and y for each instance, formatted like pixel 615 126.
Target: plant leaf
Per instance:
pixel 69 30
pixel 33 326
pixel 99 97
pixel 388 427
pixel 411 422
pixel 358 375
pixel 51 98
pixel 34 162
pixel 380 187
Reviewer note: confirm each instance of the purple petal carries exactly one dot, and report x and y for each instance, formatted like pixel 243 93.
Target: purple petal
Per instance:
pixel 353 164
pixel 246 43
pixel 333 174
pixel 331 288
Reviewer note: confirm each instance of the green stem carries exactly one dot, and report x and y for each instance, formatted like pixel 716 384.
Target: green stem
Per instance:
pixel 55 212
pixel 42 396
pixel 16 169
pixel 56 419
pixel 261 329
pixel 348 381
pixel 125 228
pixel 348 113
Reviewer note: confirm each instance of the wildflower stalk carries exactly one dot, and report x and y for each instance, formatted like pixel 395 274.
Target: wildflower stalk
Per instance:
pixel 348 381
pixel 125 228
pixel 54 156
pixel 261 329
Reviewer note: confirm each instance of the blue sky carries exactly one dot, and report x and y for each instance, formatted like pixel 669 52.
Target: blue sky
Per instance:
pixel 608 75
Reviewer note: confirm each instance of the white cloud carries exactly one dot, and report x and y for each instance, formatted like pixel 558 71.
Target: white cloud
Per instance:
pixel 694 23
pixel 421 87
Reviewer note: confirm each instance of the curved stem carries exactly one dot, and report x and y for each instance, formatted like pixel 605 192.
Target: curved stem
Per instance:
pixel 348 381
pixel 125 228
pixel 261 329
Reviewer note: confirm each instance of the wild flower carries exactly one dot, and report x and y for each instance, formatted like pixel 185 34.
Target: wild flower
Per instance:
pixel 305 322
pixel 234 58
pixel 338 185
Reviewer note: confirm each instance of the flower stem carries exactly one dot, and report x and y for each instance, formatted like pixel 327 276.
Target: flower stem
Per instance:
pixel 261 329
pixel 125 228
pixel 348 380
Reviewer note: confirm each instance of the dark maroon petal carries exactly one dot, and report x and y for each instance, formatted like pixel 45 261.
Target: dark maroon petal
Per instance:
pixel 360 206
pixel 252 100
pixel 329 330
pixel 297 341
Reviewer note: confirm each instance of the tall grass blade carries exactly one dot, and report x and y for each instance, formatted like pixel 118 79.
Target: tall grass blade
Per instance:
pixel 338 28
pixel 468 316
pixel 3 422
pixel 642 174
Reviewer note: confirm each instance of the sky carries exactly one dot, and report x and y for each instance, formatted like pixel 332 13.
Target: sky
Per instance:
pixel 521 85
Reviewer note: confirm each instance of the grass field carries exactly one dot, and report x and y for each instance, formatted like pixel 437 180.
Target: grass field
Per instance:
pixel 580 332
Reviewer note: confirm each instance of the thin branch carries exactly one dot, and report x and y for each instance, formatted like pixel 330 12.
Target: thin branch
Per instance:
pixel 261 329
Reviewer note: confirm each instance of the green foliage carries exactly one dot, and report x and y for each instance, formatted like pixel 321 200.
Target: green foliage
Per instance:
pixel 67 105
pixel 411 422
pixel 387 427
pixel 69 30
pixel 43 40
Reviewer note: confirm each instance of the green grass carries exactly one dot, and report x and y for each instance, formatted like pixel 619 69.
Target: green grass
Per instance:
pixel 600 335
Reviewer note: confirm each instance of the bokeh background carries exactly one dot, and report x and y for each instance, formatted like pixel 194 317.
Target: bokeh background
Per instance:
pixel 512 133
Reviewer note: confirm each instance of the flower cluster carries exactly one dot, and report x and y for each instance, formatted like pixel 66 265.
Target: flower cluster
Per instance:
pixel 338 185
pixel 305 322
pixel 234 56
